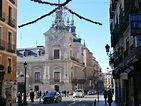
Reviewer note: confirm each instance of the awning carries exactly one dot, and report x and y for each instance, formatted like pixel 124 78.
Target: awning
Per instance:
pixel 129 69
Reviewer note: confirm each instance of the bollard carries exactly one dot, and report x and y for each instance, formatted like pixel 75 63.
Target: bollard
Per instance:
pixel 98 96
pixel 95 102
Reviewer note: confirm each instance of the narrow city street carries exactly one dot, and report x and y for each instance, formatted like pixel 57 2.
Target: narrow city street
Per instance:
pixel 88 100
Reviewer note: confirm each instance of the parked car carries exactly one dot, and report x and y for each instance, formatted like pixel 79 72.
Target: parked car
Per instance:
pixel 78 93
pixel 52 97
pixel 92 92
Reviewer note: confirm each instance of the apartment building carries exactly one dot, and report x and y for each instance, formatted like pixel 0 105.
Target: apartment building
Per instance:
pixel 8 30
pixel 125 28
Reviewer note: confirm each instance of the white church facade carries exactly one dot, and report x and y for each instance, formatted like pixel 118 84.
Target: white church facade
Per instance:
pixel 62 64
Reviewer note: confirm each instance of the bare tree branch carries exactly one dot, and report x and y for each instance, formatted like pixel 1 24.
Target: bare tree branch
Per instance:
pixel 52 4
pixel 81 16
pixel 39 18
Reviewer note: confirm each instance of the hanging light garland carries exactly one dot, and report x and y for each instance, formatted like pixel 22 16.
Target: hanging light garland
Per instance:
pixel 51 12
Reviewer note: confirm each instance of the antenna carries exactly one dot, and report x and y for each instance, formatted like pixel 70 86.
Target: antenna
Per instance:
pixel 36 43
pixel 72 20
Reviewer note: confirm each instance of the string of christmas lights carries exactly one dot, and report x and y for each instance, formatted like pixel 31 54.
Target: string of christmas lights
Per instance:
pixel 51 12
pixel 52 4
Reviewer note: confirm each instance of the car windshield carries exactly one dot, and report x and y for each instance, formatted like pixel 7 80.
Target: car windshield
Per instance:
pixel 78 90
pixel 51 93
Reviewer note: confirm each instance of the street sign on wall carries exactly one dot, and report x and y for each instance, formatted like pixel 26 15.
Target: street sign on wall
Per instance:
pixel 135 24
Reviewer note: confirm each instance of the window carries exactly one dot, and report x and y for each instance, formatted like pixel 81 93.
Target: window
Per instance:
pixel 1 7
pixel 37 76
pixel 9 65
pixel 56 54
pixel 36 88
pixel 9 40
pixel 8 91
pixel 9 62
pixel 10 12
pixel 56 76
pixel 10 37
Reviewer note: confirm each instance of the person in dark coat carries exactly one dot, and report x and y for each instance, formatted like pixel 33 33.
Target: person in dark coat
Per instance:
pixel 105 93
pixel 32 96
pixel 110 95
pixel 19 96
pixel 65 92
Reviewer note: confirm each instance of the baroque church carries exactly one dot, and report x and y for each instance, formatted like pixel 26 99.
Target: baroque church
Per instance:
pixel 62 64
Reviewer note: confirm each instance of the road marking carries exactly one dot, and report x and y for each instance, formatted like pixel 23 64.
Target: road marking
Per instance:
pixel 71 104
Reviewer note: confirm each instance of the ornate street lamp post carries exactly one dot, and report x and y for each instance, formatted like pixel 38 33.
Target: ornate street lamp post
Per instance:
pixel 25 102
pixel 107 47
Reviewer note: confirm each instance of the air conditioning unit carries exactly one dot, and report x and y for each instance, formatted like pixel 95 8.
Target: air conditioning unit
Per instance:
pixel 137 41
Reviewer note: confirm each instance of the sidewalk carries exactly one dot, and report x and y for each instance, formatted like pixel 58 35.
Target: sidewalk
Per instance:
pixel 36 101
pixel 102 103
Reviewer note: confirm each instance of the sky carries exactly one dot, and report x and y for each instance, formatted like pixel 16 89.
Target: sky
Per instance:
pixel 95 36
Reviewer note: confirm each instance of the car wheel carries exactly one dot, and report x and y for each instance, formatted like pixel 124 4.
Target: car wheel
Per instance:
pixel 60 100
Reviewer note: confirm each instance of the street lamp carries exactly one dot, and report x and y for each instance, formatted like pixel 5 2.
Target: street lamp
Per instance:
pixel 25 102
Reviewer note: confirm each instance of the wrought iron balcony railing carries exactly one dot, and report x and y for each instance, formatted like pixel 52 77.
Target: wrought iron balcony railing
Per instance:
pixel 56 80
pixel 11 21
pixel 10 47
pixel 2 44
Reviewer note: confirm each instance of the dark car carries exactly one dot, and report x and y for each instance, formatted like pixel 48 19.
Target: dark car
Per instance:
pixel 91 92
pixel 52 97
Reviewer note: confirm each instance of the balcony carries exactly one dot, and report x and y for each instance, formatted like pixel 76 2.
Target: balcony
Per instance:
pixel 52 58
pixel 56 80
pixel 10 47
pixel 113 6
pixel 112 14
pixel 37 81
pixel 12 1
pixel 11 21
pixel 2 15
pixel 73 58
pixel 2 44
pixel 80 81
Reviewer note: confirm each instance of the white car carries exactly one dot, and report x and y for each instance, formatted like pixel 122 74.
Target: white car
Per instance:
pixel 78 93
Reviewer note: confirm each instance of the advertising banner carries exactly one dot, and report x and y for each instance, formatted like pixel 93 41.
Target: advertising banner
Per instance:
pixel 135 24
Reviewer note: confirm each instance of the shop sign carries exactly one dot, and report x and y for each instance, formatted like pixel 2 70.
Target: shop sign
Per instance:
pixel 124 76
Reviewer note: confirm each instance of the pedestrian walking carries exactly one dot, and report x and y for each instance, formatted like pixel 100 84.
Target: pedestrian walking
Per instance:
pixel 32 96
pixel 110 95
pixel 105 93
pixel 19 96
pixel 67 93
pixel 40 96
